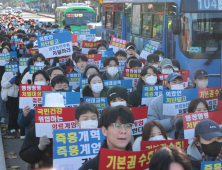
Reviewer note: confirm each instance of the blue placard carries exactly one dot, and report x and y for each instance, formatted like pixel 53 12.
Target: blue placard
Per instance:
pixel 11 68
pixel 122 64
pixel 213 5
pixel 71 99
pixel 211 165
pixel 83 83
pixel 76 142
pixel 16 40
pixel 150 48
pixel 5 56
pixel 124 83
pixel 23 61
pixel 74 77
pixel 84 31
pixel 23 27
pixel 99 102
pixel 60 30
pixel 106 53
pixel 33 68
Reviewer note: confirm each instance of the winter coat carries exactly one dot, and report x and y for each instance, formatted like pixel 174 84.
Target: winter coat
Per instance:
pixel 87 92
pixel 25 79
pixel 135 97
pixel 2 71
pixel 155 112
pixel 31 153
pixel 106 76
pixel 26 122
pixel 8 89
pixel 93 164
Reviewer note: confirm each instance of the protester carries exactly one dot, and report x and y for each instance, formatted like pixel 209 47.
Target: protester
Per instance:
pixel 166 66
pixel 136 64
pixel 116 124
pixel 32 37
pixel 153 60
pixel 86 116
pixel 201 78
pixel 121 55
pixel 160 54
pixel 101 47
pixel 149 76
pixel 128 60
pixel 80 62
pixel 92 51
pixel 55 71
pixel 111 65
pixel 95 87
pixel 131 50
pixel 60 83
pixel 152 131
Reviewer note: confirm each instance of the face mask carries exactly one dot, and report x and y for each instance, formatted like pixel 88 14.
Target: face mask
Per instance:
pixel 97 88
pixel 112 71
pixel 177 87
pixel 39 83
pixel 151 80
pixel 160 58
pixel 40 64
pixel 159 137
pixel 176 69
pixel 62 90
pixel 202 83
pixel 167 70
pixel 156 66
pixel 213 149
pixel 123 103
pixel 89 124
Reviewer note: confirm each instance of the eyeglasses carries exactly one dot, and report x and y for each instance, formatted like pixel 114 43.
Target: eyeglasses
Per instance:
pixel 119 126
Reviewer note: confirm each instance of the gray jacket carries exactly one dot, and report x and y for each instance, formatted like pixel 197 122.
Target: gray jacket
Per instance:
pixel 195 157
pixel 155 112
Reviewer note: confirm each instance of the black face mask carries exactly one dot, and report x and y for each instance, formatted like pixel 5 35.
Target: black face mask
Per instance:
pixel 213 149
pixel 63 90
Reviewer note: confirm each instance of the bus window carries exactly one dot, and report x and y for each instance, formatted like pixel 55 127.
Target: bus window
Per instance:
pixel 79 18
pixel 109 19
pixel 136 19
pixel 158 26
pixel 201 34
pixel 147 24
pixel 58 18
pixel 118 21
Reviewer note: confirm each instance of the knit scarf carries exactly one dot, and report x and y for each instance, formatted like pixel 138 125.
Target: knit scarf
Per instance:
pixel 207 158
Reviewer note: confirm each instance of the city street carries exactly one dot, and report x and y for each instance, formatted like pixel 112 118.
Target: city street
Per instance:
pixel 27 16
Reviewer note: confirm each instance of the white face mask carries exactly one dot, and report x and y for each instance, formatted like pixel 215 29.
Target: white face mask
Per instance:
pixel 39 83
pixel 167 70
pixel 156 66
pixel 176 69
pixel 202 83
pixel 89 124
pixel 159 137
pixel 151 80
pixel 97 88
pixel 177 87
pixel 112 71
pixel 123 103
pixel 40 64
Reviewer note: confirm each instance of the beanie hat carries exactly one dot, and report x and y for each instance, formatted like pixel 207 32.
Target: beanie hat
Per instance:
pixel 117 91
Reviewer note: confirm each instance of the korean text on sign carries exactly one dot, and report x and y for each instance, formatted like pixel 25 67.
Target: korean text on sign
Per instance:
pixel 211 165
pixel 117 44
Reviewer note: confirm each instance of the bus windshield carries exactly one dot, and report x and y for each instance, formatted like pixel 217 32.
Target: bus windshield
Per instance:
pixel 79 18
pixel 201 34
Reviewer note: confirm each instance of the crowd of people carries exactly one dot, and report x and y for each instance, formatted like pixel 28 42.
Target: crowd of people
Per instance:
pixel 117 120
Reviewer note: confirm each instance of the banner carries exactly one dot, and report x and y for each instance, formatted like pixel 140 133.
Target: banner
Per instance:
pixel 211 165
pixel 31 95
pixel 117 44
pixel 211 97
pixel 105 54
pixel 140 119
pixel 11 70
pixel 190 121
pixel 71 99
pixel 74 39
pixel 4 57
pixel 62 59
pixel 86 46
pixel 180 143
pixel 151 92
pixel 55 45
pixel 33 51
pixel 124 83
pixel 147 50
pixel 49 118
pixel 87 34
pixel 23 64
pixel 94 59
pixel 100 102
pixel 74 79
pixel 177 101
pixel 72 148
pixel 33 69
pixel 133 74
pixel 116 159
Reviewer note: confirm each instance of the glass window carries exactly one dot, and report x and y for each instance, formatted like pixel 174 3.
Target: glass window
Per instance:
pixel 155 8
pixel 109 19
pixel 147 24
pixel 136 19
pixel 158 26
pixel 79 18
pixel 58 18
pixel 127 9
pixel 118 21
pixel 201 34
pixel 128 24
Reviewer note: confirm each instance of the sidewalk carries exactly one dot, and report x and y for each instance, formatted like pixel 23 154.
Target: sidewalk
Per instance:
pixel 46 14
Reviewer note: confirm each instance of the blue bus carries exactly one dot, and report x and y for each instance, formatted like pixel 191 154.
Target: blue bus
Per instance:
pixel 187 30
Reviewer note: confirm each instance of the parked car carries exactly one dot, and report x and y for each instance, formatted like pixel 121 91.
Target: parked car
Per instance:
pixel 18 10
pixel 8 10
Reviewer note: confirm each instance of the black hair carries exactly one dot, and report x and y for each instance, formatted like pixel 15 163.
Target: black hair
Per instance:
pixel 121 53
pixel 158 52
pixel 145 68
pixel 6 43
pixel 176 63
pixel 100 45
pixel 32 35
pixel 28 55
pixel 30 45
pixel 75 48
pixel 152 58
pixel 108 59
pixel 92 51
pixel 162 159
pixel 130 43
pixel 194 102
pixel 82 57
pixel 9 50
pixel 43 72
pixel 55 68
pixel 75 54
pixel 48 26
pixel 25 39
pixel 111 114
pixel 130 58
pixel 92 76
pixel 38 55
pixel 83 108
pixel 20 36
pixel 103 41
pixel 55 61
pixel 135 63
pixel 59 79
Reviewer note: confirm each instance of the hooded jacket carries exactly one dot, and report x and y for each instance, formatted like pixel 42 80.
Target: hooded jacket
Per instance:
pixel 87 92
pixel 195 157
pixel 106 76
pixel 30 62
pixel 93 164
pixel 135 97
